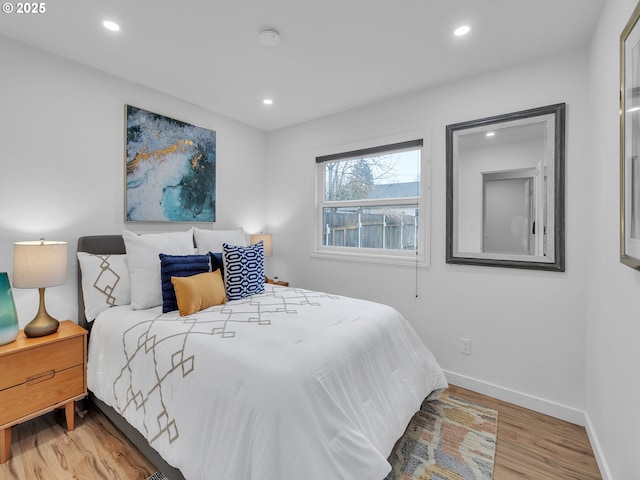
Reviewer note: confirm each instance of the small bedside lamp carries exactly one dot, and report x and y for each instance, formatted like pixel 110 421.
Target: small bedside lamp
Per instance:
pixel 266 239
pixel 40 264
pixel 267 245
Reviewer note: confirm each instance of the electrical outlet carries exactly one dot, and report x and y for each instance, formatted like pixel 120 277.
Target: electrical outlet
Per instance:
pixel 465 346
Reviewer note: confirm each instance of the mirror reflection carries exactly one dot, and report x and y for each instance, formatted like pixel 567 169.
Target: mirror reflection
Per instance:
pixel 505 190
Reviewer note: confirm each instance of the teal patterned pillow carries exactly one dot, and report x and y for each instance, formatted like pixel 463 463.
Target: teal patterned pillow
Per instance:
pixel 243 270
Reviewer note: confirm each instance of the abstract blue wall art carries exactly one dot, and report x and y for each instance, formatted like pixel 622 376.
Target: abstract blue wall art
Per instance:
pixel 170 169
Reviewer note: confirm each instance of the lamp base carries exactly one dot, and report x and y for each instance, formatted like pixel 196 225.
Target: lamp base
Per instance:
pixel 43 323
pixel 41 326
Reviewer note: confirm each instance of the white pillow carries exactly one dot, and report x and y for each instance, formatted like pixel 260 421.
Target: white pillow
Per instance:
pixel 105 282
pixel 144 262
pixel 212 240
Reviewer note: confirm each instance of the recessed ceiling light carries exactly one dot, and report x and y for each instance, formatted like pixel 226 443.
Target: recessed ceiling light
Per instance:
pixel 267 101
pixel 462 30
pixel 109 25
pixel 491 134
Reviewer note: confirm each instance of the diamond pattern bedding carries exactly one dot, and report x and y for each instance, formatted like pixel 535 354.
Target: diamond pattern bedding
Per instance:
pixel 282 385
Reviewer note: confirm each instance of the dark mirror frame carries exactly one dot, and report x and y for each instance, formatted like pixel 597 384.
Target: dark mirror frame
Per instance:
pixel 558 265
pixel 629 96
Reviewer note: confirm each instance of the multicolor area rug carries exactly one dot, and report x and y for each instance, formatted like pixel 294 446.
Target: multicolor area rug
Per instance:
pixel 448 439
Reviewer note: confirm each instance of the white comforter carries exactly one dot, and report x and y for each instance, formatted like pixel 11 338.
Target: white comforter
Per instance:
pixel 285 385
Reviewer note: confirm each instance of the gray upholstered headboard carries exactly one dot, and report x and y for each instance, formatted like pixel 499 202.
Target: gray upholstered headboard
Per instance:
pixel 96 244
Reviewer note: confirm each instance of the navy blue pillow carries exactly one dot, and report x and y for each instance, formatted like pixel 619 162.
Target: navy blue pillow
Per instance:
pixel 179 266
pixel 216 262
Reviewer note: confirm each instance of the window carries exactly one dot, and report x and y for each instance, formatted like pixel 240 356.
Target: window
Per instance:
pixel 372 203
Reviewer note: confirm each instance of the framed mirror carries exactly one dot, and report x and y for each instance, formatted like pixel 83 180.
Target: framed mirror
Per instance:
pixel 505 190
pixel 630 142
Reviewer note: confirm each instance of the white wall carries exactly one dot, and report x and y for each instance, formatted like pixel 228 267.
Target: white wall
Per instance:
pixel 613 327
pixel 62 161
pixel 527 327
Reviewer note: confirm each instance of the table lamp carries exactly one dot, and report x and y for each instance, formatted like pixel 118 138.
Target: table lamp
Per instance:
pixel 40 264
pixel 266 240
pixel 267 245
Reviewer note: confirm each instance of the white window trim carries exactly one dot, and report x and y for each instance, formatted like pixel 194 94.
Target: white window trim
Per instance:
pixel 422 258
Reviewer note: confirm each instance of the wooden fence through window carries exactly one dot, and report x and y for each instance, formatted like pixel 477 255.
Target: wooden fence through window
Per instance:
pixel 371 230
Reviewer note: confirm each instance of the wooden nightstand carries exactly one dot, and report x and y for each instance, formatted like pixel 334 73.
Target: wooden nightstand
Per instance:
pixel 39 375
pixel 279 282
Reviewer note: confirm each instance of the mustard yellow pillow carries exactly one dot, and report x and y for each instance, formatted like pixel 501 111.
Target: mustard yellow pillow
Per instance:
pixel 198 292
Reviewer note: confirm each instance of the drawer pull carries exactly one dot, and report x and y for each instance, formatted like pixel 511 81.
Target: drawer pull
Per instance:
pixel 41 377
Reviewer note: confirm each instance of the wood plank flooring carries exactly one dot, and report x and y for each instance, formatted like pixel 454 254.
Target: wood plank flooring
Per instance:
pixel 534 446
pixel 530 446
pixel 42 449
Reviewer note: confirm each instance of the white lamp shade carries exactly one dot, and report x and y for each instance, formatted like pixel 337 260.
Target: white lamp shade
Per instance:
pixel 266 239
pixel 39 264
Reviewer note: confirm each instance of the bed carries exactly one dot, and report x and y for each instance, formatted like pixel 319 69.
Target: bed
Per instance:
pixel 278 385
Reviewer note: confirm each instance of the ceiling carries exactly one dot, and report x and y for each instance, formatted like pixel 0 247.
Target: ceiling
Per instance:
pixel 334 55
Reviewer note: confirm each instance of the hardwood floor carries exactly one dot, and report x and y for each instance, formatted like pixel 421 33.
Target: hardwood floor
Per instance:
pixel 530 446
pixel 42 449
pixel 534 446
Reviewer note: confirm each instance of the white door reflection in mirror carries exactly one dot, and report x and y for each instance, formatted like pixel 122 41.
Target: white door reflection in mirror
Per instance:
pixel 509 212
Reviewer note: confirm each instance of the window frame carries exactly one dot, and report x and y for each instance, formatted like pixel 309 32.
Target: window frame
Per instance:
pixel 419 258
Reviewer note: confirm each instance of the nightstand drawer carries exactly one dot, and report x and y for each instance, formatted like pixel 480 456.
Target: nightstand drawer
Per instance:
pixel 25 364
pixel 48 389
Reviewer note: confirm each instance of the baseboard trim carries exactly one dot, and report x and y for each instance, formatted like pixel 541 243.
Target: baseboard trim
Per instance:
pixel 525 400
pixel 597 450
